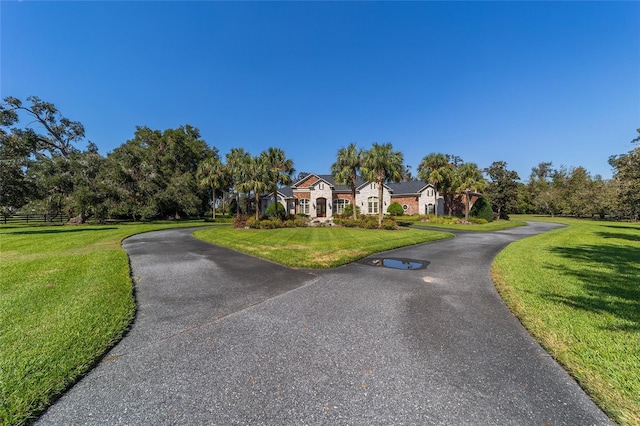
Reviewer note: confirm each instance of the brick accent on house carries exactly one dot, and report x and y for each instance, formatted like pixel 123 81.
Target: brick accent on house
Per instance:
pixel 411 202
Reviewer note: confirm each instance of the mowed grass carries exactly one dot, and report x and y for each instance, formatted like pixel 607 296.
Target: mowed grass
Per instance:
pixel 497 225
pixel 65 298
pixel 66 295
pixel 577 290
pixel 315 248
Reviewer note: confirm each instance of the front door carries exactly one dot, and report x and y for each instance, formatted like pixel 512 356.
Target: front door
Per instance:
pixel 321 207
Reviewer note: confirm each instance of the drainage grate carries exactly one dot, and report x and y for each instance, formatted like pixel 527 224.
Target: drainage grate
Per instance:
pixel 396 263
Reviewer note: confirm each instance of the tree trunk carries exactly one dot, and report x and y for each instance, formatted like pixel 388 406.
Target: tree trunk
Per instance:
pixel 353 200
pixel 77 220
pixel 466 210
pixel 380 203
pixel 213 202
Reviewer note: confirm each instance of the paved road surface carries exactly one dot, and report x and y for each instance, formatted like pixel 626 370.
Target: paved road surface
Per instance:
pixel 222 338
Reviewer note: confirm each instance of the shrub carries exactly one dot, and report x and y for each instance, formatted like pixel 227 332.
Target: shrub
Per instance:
pixel 249 222
pixel 276 210
pixel 241 221
pixel 299 223
pixel 395 209
pixel 389 224
pixel 348 211
pixel 478 220
pixel 370 223
pixel 482 209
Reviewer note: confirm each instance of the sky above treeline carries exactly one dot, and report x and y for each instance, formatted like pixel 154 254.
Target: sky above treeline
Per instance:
pixel 521 82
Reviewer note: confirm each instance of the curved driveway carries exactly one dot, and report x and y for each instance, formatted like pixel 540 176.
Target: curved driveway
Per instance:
pixel 221 338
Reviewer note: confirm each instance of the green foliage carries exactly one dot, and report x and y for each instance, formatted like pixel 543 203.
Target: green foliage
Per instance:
pixel 67 298
pixel 482 209
pixel 276 210
pixel 456 223
pixel 627 181
pixel 274 223
pixel 345 169
pixel 395 209
pixel 348 211
pixel 316 247
pixel 382 164
pixel 478 220
pixel 578 295
pixel 153 175
pixel 366 222
pixel 389 224
pixel 502 190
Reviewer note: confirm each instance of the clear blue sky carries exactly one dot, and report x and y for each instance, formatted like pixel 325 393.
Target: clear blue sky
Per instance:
pixel 521 82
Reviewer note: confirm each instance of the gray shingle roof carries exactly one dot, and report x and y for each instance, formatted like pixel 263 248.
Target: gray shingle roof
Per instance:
pixel 411 187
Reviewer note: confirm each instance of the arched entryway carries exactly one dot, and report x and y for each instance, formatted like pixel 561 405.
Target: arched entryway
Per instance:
pixel 321 207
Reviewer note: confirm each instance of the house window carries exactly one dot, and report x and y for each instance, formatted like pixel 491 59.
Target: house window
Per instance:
pixel 373 186
pixel 429 192
pixel 339 205
pixel 431 209
pixel 372 205
pixel 304 206
pixel 405 207
pixel 321 186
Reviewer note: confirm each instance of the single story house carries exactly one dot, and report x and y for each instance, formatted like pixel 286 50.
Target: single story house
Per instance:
pixel 319 196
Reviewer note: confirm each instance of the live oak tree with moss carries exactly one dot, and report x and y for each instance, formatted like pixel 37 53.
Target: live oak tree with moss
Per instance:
pixel 627 178
pixel 502 189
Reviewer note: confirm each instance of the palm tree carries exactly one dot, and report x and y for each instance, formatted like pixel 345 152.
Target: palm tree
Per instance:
pixel 279 169
pixel 345 169
pixel 237 161
pixel 382 164
pixel 211 174
pixel 255 179
pixel 469 178
pixel 434 169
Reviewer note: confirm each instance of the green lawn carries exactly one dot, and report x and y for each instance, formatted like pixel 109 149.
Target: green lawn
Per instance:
pixel 578 293
pixel 497 225
pixel 65 298
pixel 315 247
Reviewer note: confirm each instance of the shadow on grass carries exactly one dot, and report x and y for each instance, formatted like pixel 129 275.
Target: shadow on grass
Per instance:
pixel 58 231
pixel 610 277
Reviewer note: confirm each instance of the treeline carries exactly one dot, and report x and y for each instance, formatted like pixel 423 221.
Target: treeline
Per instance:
pixel 175 173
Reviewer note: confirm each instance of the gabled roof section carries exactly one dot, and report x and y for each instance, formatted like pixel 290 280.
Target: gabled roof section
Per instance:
pixel 328 179
pixel 413 187
pixel 284 192
pixel 339 187
pixel 304 179
pixel 365 183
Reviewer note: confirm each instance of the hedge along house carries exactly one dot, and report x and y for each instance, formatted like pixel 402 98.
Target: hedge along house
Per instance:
pixel 319 196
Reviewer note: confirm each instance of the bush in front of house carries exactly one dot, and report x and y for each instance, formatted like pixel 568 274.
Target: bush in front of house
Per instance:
pixel 395 209
pixel 366 222
pixel 477 220
pixel 274 223
pixel 482 209
pixel 389 224
pixel 348 211
pixel 276 210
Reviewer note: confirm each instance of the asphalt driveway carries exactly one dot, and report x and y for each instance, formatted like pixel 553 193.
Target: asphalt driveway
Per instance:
pixel 222 338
